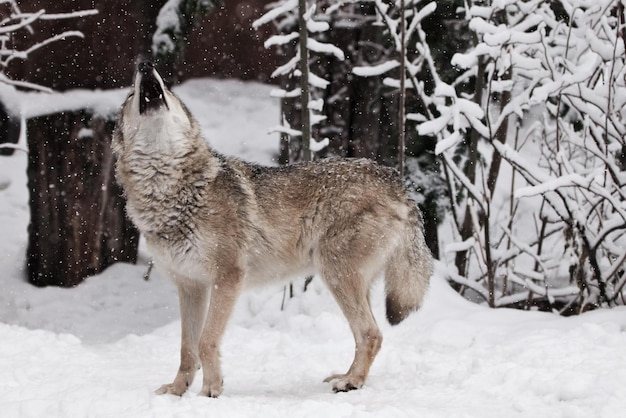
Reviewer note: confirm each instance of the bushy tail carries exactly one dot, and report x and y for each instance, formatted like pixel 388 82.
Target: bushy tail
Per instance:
pixel 408 272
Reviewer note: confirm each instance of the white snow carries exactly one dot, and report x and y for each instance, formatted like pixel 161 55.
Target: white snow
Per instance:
pixel 316 146
pixel 317 81
pixel 316 104
pixel 167 20
pixel 314 26
pixel 285 7
pixel 103 103
pixel 280 39
pixel 283 129
pixel 287 67
pixel 573 179
pixel 325 48
pixel 456 247
pixel 280 93
pixel 100 350
pixel 445 90
pixel 375 70
pixel 447 142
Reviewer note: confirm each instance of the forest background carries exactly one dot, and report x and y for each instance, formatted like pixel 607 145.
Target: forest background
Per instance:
pixel 514 117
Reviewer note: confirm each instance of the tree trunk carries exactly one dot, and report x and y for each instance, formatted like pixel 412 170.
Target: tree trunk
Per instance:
pixel 470 169
pixel 304 81
pixel 402 92
pixel 78 225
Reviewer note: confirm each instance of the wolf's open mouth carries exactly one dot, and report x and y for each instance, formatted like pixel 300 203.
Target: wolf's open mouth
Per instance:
pixel 151 95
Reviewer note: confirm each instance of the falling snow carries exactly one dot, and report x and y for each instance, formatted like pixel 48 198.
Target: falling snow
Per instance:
pixel 101 349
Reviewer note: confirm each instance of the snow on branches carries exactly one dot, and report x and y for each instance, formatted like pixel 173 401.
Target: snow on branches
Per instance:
pixel 174 23
pixel 12 21
pixel 541 184
pixel 297 22
pixel 16 24
pixel 530 131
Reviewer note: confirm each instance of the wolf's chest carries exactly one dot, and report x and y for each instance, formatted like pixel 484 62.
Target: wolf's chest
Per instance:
pixel 181 258
pixel 166 221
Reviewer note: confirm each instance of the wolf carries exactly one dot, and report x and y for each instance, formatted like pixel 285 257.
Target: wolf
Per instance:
pixel 217 224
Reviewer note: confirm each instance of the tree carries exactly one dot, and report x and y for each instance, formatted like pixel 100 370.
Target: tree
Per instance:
pixel 411 70
pixel 78 226
pixel 296 19
pixel 540 214
pixel 174 23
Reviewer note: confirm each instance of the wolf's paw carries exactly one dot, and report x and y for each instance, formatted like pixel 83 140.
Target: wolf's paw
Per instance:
pixel 212 389
pixel 345 382
pixel 172 389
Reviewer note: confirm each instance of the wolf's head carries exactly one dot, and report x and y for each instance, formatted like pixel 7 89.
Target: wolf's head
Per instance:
pixel 152 117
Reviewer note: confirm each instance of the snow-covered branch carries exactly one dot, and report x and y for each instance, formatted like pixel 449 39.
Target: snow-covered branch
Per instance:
pixel 10 55
pixel 18 20
pixel 553 113
pixel 278 10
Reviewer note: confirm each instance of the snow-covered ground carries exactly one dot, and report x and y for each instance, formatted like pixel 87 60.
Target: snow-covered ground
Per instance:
pixel 101 349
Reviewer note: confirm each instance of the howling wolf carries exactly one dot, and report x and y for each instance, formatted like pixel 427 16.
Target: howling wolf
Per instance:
pixel 216 224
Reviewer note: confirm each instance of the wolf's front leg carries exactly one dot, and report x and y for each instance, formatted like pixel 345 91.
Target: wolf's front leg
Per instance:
pixel 224 294
pixel 192 297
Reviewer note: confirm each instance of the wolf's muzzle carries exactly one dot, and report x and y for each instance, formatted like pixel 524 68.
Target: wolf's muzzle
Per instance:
pixel 151 94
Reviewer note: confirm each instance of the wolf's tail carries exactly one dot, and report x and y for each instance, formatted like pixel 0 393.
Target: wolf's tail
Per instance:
pixel 408 272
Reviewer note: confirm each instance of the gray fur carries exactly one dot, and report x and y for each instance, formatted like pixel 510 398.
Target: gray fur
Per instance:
pixel 218 224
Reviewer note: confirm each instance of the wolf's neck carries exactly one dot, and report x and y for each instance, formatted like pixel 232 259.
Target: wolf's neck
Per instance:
pixel 164 155
pixel 164 187
pixel 160 136
pixel 175 165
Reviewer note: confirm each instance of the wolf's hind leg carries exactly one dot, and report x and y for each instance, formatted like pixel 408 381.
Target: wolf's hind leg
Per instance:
pixel 351 291
pixel 192 297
